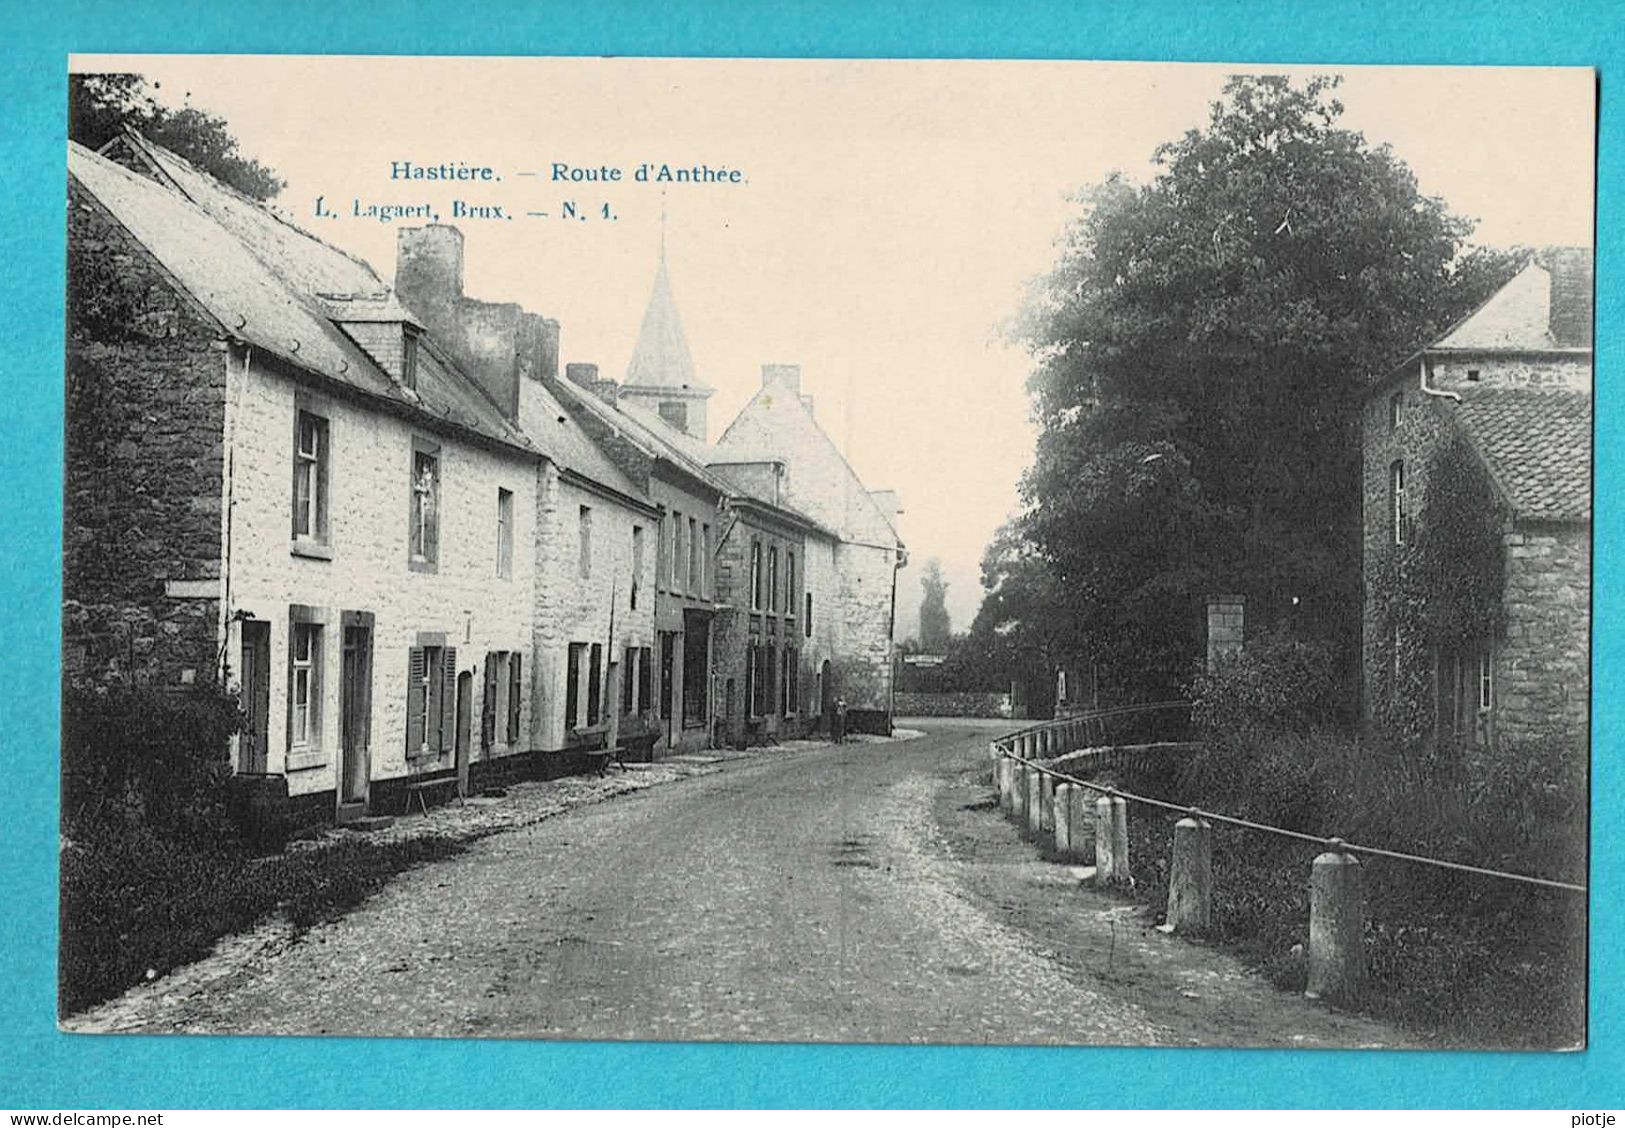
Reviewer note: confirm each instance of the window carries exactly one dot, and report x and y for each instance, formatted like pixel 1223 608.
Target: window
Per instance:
pixel 679 552
pixel 637 570
pixel 409 357
pixel 584 519
pixel 310 478
pixel 575 659
pixel 773 578
pixel 675 413
pixel 1396 410
pixel 516 682
pixel 756 575
pixel 808 626
pixel 662 552
pixel 629 682
pixel 304 685
pixel 1486 681
pixel 693 556
pixel 1472 375
pixel 425 513
pixel 505 533
pixel 786 670
pixel 707 554
pixel 595 687
pixel 430 705
pixel 1399 518
pixel 790 584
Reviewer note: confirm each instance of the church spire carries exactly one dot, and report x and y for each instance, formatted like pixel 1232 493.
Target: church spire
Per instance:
pixel 661 358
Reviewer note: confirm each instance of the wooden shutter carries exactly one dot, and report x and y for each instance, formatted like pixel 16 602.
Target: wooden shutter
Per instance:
pixel 435 691
pixel 645 674
pixel 448 698
pixel 515 681
pixel 595 688
pixel 488 709
pixel 572 686
pixel 414 701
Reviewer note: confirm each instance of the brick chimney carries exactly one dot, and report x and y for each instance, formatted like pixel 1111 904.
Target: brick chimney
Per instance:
pixel 585 375
pixel 538 347
pixel 1225 630
pixel 492 342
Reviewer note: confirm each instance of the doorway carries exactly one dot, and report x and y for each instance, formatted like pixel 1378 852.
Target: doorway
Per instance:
pixel 465 729
pixel 355 715
pixel 826 696
pixel 253 746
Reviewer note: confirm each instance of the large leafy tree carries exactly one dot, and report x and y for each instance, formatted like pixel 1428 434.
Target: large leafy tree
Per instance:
pixel 101 105
pixel 1201 348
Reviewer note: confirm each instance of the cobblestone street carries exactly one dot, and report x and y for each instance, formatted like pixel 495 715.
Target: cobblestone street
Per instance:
pixel 853 893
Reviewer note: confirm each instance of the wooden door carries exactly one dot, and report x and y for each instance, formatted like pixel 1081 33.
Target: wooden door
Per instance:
pixel 253 746
pixel 355 705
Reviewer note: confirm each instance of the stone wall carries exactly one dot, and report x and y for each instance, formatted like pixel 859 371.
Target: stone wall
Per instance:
pixel 1543 662
pixel 145 419
pixel 1422 428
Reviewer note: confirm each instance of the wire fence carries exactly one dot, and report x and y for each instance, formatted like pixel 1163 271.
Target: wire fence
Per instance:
pixel 1003 746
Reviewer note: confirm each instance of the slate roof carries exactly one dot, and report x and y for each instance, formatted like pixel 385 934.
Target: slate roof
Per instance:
pixel 661 357
pixel 1546 306
pixel 1537 446
pixel 275 287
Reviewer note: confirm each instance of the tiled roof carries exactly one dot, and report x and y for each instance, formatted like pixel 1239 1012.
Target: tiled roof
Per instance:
pixel 645 432
pixel 1537 445
pixel 217 253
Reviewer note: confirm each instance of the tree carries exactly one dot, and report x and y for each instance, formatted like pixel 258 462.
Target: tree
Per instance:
pixel 1200 351
pixel 934 625
pixel 101 105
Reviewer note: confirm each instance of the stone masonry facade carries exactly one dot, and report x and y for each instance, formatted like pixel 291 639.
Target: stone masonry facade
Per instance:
pixel 1539 664
pixel 146 373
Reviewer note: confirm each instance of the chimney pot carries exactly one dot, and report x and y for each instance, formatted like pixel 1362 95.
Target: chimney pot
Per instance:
pixel 581 373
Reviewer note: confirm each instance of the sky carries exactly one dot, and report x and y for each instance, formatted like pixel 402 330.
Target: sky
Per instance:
pixel 887 217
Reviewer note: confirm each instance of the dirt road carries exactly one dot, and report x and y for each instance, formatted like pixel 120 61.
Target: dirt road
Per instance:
pixel 858 893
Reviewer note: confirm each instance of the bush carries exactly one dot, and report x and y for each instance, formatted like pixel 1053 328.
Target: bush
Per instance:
pixel 159 757
pixel 1480 960
pixel 1276 683
pixel 133 901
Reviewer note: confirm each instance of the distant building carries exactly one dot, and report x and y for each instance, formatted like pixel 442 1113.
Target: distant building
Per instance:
pixel 859 568
pixel 1513 382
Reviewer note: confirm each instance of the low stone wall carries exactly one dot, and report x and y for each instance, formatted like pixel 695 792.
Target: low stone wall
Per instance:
pixel 953 704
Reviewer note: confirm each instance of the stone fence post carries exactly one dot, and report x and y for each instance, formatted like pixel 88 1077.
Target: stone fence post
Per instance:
pixel 1336 925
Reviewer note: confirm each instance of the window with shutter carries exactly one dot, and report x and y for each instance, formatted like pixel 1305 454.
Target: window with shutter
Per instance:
pixel 515 681
pixel 416 701
pixel 572 686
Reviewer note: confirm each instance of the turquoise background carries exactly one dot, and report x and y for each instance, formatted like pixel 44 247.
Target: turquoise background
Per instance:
pixel 40 1068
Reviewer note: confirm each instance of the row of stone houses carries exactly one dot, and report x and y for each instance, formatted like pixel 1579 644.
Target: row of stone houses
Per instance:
pixel 417 550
